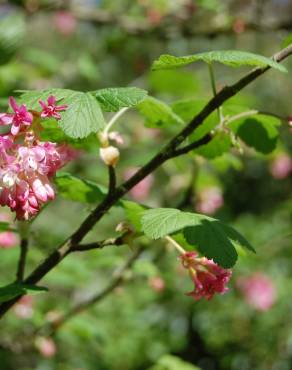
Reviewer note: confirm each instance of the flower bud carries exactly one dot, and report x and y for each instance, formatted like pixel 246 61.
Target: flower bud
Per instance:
pixel 109 155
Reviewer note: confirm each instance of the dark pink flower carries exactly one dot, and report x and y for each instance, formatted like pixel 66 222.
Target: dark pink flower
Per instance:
pixel 208 277
pixel 258 290
pixel 21 116
pixel 51 109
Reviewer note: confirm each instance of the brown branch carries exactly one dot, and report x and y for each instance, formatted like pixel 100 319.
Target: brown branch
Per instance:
pixel 169 151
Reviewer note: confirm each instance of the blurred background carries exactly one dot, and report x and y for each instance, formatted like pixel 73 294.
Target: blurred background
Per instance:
pixel 148 322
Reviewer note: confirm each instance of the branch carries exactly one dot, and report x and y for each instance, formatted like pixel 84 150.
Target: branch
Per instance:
pixel 112 181
pixel 117 279
pixel 169 151
pixel 99 245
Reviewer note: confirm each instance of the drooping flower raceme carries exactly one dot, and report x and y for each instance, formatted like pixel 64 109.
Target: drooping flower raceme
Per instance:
pixel 208 277
pixel 26 163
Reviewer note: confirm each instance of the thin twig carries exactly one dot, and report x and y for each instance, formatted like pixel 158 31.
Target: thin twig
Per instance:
pixel 117 279
pixel 169 151
pixel 99 245
pixel 22 259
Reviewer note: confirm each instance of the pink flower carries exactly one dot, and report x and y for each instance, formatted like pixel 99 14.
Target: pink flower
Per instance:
pixel 281 166
pixel 258 290
pixel 46 346
pixel 209 200
pixel 21 116
pixel 51 109
pixel 208 277
pixel 141 191
pixel 65 22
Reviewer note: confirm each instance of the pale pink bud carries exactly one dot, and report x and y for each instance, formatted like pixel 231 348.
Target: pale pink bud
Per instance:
pixel 46 347
pixel 8 239
pixel 157 284
pixel 109 155
pixel 65 22
pixel 209 200
pixel 281 166
pixel 23 308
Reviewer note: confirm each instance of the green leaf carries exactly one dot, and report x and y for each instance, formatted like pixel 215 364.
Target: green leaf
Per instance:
pixel 260 132
pixel 188 109
pixel 157 113
pixel 82 117
pixel 76 189
pixel 287 41
pixel 113 99
pixel 219 145
pixel 233 58
pixel 169 362
pixel 211 237
pixel 13 290
pixel 134 212
pixel 11 36
pixel 5 226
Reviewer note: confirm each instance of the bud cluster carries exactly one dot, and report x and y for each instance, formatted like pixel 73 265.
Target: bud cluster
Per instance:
pixel 26 163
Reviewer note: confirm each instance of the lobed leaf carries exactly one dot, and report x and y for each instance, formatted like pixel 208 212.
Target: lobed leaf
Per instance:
pixel 113 99
pixel 73 188
pixel 158 113
pixel 211 237
pixel 233 58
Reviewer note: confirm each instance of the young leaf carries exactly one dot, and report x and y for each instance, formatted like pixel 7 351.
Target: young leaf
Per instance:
pixel 212 238
pixel 188 109
pixel 5 226
pixel 219 145
pixel 158 113
pixel 134 212
pixel 113 99
pixel 287 41
pixel 233 58
pixel 82 117
pixel 170 362
pixel 260 132
pixel 13 290
pixel 76 189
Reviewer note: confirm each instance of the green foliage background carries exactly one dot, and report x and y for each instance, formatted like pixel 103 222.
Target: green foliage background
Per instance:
pixel 137 328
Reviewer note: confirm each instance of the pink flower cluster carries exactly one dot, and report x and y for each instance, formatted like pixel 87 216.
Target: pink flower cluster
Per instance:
pixel 26 163
pixel 208 277
pixel 258 290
